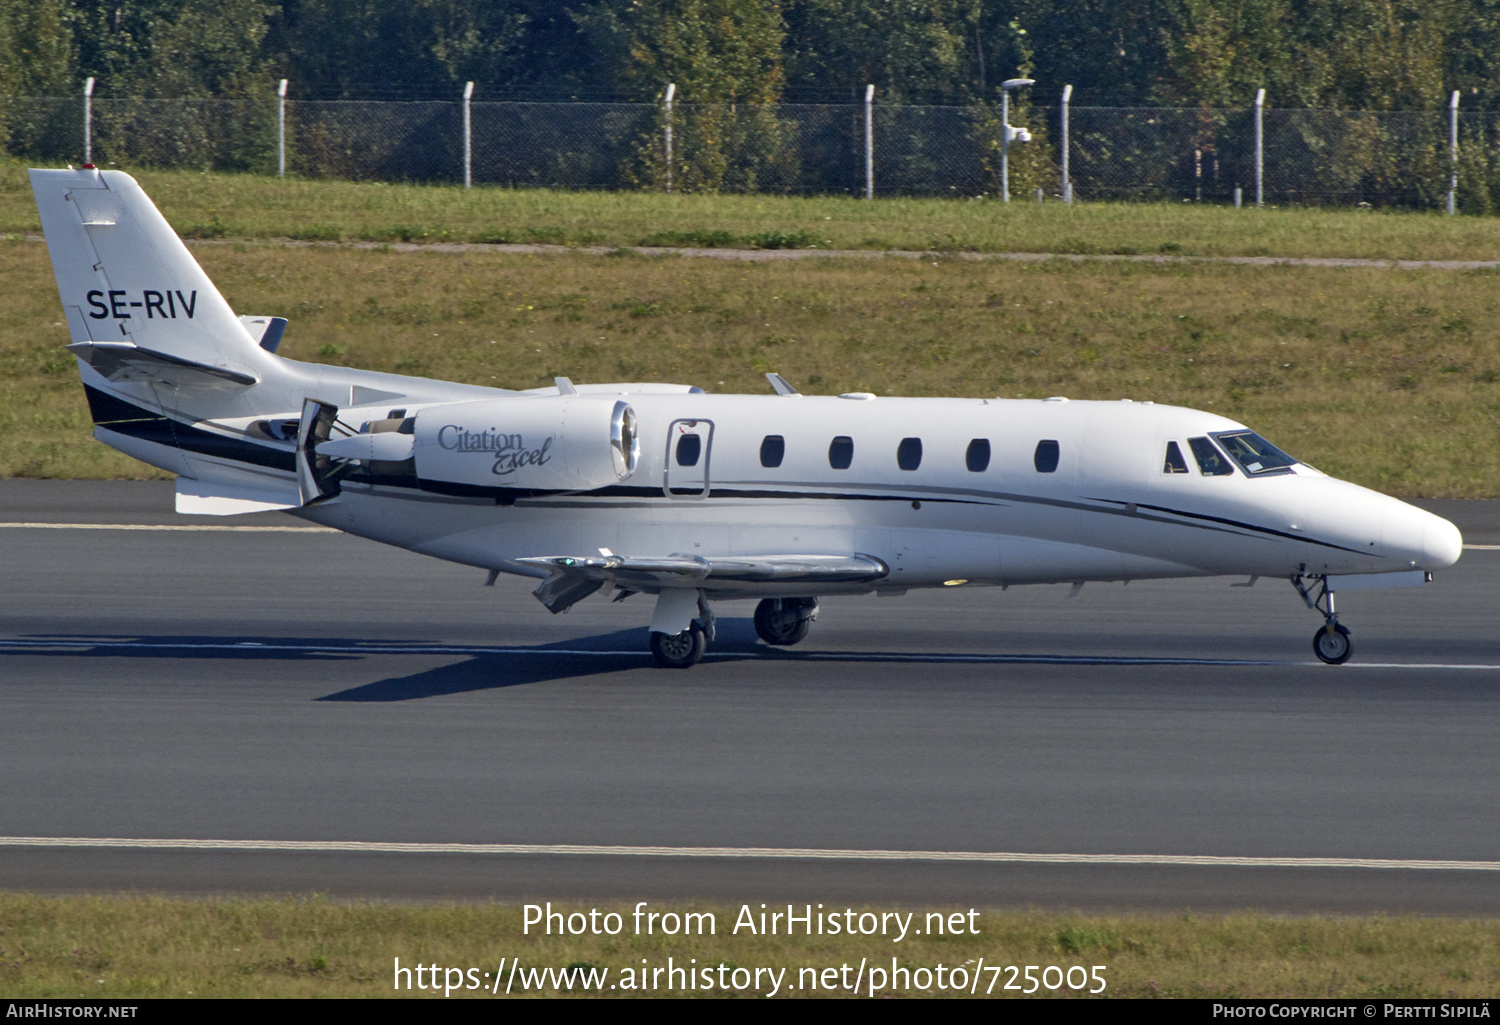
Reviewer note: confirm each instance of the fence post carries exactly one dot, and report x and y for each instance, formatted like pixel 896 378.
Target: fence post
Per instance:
pixel 468 136
pixel 1067 183
pixel 1453 154
pixel 671 92
pixel 1004 144
pixel 88 121
pixel 1260 153
pixel 281 129
pixel 869 142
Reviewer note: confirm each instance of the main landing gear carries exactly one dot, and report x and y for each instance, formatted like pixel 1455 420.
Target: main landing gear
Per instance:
pixel 1331 643
pixel 784 621
pixel 679 651
pixel 683 625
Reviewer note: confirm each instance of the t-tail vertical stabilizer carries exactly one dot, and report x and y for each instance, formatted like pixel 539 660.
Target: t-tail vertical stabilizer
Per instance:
pixel 131 292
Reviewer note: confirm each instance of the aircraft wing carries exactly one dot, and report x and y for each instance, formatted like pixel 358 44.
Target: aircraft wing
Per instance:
pixel 571 578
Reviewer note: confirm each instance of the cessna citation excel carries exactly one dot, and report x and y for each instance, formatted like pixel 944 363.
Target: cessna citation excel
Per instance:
pixel 664 490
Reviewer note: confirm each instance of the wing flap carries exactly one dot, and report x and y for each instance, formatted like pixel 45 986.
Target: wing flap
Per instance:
pixel 572 578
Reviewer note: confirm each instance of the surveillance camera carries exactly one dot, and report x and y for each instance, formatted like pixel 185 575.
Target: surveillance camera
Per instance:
pixel 1013 134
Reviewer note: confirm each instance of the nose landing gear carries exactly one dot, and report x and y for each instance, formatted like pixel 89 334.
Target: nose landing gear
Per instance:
pixel 1331 643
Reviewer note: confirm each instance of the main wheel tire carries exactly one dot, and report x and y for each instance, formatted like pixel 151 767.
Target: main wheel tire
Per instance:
pixel 1332 644
pixel 679 651
pixel 783 626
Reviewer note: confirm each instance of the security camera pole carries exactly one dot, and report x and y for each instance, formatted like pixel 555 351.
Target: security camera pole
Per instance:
pixel 1008 133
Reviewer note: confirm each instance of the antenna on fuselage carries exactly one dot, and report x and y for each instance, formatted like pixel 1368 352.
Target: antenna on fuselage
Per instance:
pixel 779 383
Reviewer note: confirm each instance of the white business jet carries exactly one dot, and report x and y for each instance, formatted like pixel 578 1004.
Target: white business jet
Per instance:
pixel 664 490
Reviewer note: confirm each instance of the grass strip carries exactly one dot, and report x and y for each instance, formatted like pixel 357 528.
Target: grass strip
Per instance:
pixel 1388 378
pixel 141 946
pixel 205 205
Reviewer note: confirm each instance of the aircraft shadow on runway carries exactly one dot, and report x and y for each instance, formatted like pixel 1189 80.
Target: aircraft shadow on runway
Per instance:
pixel 594 655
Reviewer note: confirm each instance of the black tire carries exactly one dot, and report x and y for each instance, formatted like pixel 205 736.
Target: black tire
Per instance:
pixel 679 651
pixel 784 626
pixel 1332 644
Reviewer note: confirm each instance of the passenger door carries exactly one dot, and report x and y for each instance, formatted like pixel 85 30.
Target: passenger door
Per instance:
pixel 685 470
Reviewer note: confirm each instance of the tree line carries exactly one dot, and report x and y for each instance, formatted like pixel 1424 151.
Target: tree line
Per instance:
pixel 1344 54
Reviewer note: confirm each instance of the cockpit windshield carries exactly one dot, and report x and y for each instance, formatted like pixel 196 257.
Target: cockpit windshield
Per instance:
pixel 1254 454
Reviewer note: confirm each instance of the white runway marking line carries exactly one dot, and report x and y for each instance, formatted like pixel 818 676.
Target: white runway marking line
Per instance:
pixel 783 853
pixel 190 527
pixel 242 647
pixel 1482 548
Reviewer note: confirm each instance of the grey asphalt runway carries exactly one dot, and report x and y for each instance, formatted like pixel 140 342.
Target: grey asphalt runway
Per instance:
pixel 275 685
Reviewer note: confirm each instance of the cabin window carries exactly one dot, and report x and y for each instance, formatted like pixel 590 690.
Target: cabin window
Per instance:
pixel 772 451
pixel 1174 463
pixel 1210 461
pixel 689 448
pixel 841 452
pixel 1047 455
pixel 1256 456
pixel 909 453
pixel 977 458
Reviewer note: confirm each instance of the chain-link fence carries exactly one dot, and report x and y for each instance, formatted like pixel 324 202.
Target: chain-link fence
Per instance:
pixel 1207 155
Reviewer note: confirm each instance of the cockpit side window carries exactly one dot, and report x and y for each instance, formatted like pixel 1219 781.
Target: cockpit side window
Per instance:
pixel 1174 461
pixel 1256 456
pixel 1210 461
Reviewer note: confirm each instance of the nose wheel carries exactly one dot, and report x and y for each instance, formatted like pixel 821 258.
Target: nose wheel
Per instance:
pixel 1331 644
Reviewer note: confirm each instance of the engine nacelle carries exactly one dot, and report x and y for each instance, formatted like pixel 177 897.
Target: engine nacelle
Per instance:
pixel 546 443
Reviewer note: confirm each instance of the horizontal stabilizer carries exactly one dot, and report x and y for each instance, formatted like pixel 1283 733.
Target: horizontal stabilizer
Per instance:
pixel 210 498
pixel 570 578
pixel 124 361
pixel 266 331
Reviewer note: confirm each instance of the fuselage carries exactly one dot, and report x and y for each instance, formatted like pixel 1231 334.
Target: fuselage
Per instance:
pixel 996 491
pixel 1107 509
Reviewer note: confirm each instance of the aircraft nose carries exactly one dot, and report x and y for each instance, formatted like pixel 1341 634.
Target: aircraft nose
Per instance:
pixel 1431 541
pixel 1442 543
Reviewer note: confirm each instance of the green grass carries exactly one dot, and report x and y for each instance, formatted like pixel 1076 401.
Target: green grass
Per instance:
pixel 242 206
pixel 141 947
pixel 1388 378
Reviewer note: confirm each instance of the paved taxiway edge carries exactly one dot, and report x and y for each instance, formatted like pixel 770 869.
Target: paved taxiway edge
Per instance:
pixel 603 879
